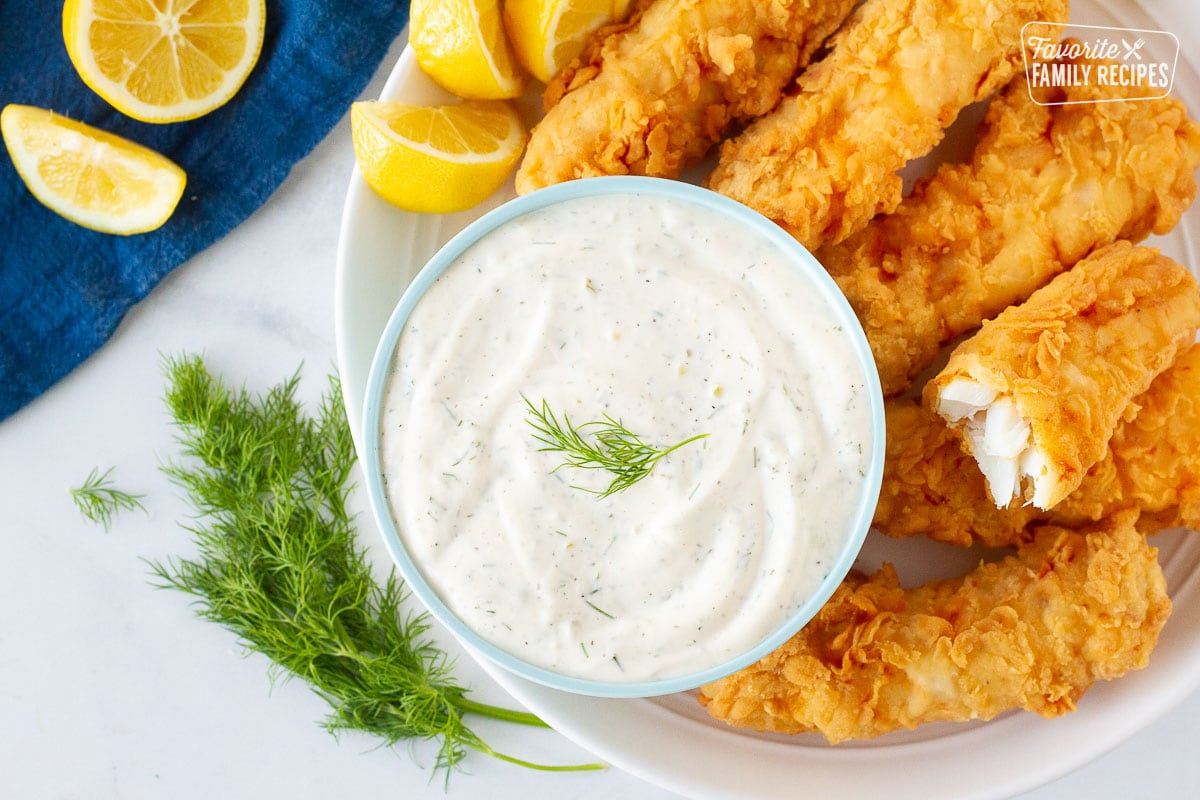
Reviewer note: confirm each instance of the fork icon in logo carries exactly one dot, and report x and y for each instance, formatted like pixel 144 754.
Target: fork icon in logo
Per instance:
pixel 1132 49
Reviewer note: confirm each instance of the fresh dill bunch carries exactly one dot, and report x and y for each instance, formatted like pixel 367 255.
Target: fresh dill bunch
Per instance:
pixel 279 565
pixel 98 500
pixel 604 444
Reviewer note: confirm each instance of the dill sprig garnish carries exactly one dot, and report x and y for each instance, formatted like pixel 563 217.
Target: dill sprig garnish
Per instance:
pixel 279 565
pixel 98 500
pixel 604 444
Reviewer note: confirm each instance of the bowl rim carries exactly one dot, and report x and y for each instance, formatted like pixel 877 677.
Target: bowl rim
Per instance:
pixel 445 257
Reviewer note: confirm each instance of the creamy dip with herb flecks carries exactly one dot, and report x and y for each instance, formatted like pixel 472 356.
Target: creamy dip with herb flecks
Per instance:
pixel 675 320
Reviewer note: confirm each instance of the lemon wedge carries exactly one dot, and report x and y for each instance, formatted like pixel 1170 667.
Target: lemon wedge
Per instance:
pixel 462 46
pixel 164 61
pixel 436 159
pixel 90 176
pixel 547 34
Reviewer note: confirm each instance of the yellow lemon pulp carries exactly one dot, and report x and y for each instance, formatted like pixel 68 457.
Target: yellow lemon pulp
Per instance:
pixel 164 60
pixel 547 34
pixel 462 46
pixel 436 159
pixel 90 176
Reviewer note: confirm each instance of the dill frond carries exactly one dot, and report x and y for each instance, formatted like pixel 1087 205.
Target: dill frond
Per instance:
pixel 279 565
pixel 604 444
pixel 98 500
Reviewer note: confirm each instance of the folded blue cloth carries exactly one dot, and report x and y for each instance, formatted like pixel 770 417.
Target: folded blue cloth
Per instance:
pixel 64 288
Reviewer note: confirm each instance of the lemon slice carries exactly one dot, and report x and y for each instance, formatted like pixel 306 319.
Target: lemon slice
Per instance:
pixel 90 176
pixel 164 61
pixel 436 159
pixel 547 34
pixel 461 45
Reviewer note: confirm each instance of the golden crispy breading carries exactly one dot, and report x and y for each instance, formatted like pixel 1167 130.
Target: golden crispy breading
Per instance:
pixel 898 73
pixel 654 95
pixel 1155 460
pixel 1044 187
pixel 1037 393
pixel 930 486
pixel 1033 631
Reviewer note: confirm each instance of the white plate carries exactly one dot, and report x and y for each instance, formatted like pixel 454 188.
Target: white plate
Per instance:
pixel 381 249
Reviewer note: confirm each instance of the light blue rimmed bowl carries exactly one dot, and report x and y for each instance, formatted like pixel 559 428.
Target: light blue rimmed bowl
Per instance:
pixel 381 368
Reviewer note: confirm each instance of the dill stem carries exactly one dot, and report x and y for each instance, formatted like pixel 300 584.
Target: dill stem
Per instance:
pixel 543 767
pixel 497 712
pixel 675 447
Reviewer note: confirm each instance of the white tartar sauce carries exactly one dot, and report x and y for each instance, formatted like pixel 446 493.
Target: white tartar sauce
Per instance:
pixel 677 321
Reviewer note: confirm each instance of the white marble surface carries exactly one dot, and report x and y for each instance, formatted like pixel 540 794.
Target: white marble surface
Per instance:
pixel 112 689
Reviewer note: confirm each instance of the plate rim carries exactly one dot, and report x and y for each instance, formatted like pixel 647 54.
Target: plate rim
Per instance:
pixel 1135 712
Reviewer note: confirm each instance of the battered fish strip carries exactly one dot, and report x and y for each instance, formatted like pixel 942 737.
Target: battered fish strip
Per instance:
pixel 898 73
pixel 930 486
pixel 1033 631
pixel 1044 187
pixel 1037 393
pixel 655 95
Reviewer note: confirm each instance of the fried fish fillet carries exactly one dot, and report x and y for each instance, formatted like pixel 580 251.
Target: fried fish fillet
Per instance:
pixel 1033 632
pixel 1045 186
pixel 931 487
pixel 898 73
pixel 1037 392
pixel 655 95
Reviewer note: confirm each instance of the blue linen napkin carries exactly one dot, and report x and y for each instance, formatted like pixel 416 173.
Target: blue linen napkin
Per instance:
pixel 64 288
